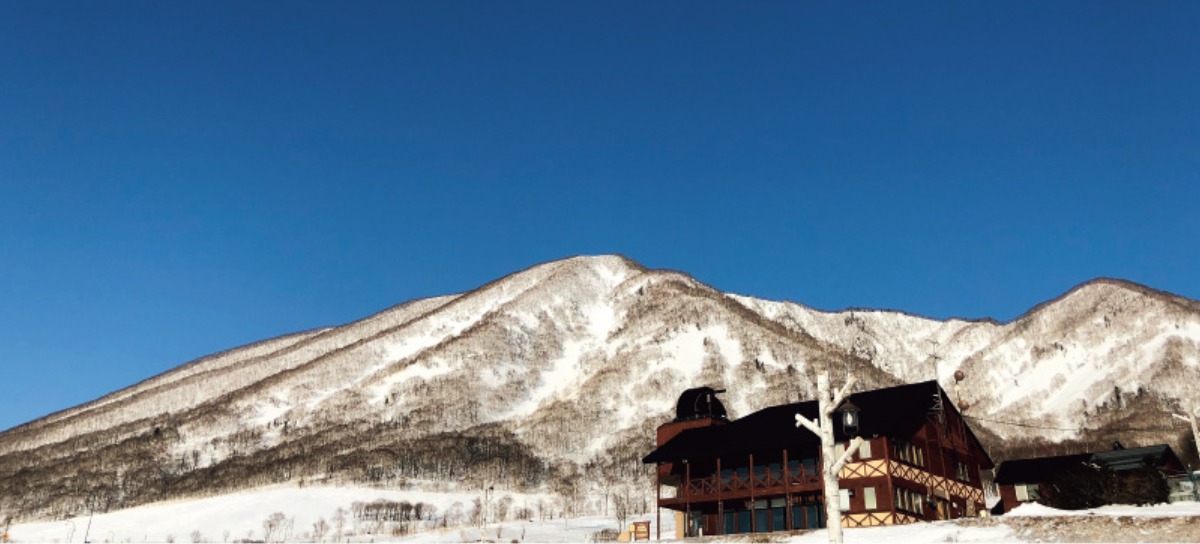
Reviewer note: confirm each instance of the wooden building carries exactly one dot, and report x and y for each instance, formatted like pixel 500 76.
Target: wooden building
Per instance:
pixel 1029 480
pixel 759 473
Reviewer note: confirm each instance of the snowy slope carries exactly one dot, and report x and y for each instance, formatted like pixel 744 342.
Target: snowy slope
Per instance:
pixel 241 516
pixel 553 379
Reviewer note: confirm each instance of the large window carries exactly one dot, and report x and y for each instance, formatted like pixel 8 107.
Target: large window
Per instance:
pixel 864 451
pixel 764 515
pixel 910 453
pixel 808 516
pixel 909 501
pixel 844 500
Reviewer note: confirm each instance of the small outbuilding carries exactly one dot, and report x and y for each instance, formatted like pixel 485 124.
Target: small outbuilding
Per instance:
pixel 1142 475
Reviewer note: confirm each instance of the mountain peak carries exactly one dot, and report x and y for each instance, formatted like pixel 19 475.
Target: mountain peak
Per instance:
pixel 1091 292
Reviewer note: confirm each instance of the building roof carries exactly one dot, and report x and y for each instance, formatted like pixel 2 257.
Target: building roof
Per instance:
pixel 1039 469
pixel 897 412
pixel 1131 458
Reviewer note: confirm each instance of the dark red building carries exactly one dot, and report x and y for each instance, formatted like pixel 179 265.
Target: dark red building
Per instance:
pixel 761 473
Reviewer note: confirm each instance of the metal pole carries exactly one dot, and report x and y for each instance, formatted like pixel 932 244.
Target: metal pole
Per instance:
pixel 658 499
pixel 88 531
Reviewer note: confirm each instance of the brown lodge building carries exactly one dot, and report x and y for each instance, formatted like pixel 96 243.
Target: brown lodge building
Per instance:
pixel 920 461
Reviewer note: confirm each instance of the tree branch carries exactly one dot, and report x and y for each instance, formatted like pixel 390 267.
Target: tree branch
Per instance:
pixel 842 394
pixel 809 424
pixel 841 462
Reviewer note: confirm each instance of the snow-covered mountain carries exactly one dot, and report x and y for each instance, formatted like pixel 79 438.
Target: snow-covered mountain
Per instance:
pixel 555 377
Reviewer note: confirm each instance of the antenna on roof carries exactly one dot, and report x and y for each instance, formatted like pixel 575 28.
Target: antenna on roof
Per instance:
pixel 937 408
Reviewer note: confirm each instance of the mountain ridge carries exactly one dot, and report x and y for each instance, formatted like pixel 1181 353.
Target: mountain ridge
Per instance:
pixel 488 383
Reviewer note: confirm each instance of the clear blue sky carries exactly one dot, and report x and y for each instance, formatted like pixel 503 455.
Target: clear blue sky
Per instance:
pixel 181 178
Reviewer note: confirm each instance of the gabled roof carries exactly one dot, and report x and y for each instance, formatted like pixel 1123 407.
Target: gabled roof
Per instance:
pixel 897 412
pixel 1039 469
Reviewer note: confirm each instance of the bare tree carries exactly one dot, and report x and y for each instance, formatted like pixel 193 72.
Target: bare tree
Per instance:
pixel 622 504
pixel 272 525
pixel 339 522
pixel 827 402
pixel 503 507
pixel 319 529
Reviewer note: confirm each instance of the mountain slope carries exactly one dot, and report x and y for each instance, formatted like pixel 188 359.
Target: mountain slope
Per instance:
pixel 554 378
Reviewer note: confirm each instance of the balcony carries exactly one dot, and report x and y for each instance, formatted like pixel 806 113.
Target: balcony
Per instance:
pixel 743 485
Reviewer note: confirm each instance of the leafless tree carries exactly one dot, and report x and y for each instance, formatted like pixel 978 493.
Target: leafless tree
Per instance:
pixel 319 529
pixel 272 525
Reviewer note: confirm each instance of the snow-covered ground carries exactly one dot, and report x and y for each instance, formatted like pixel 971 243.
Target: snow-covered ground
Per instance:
pixel 240 516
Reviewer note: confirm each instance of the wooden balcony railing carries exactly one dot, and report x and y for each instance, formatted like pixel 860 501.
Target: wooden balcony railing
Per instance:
pixel 743 484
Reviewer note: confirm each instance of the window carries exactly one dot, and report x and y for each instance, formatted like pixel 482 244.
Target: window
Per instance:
pixel 961 472
pixel 864 451
pixel 910 453
pixel 869 498
pixel 909 500
pixel 778 519
pixel 760 521
pixel 1027 492
pixel 844 500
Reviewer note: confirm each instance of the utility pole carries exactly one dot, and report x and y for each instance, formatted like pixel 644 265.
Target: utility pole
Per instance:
pixel 827 403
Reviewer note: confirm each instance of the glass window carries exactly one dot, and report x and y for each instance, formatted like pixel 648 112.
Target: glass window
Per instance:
pixel 760 521
pixel 816 516
pixel 844 499
pixel 869 497
pixel 731 523
pixel 907 500
pixel 798 517
pixel 910 453
pixel 864 451
pixel 744 521
pixel 1022 495
pixel 778 519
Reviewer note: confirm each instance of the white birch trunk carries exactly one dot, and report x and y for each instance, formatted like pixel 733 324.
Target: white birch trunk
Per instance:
pixel 1192 417
pixel 827 402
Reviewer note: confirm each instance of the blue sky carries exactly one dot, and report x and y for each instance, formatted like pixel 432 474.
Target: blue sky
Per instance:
pixel 182 178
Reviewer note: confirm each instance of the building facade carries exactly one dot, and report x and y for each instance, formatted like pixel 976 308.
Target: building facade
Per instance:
pixel 920 461
pixel 1032 479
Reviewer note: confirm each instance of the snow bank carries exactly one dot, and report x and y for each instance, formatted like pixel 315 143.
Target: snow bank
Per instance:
pixel 1177 509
